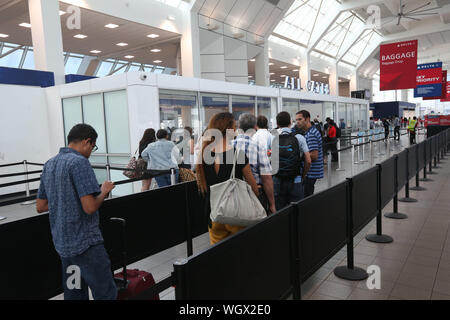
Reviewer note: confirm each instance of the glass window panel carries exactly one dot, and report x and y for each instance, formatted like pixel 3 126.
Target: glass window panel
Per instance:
pixel 99 160
pixel 342 116
pixel 117 126
pixel 179 110
pixel 292 106
pixel 72 65
pixel 134 68
pixel 72 114
pixel 123 189
pixel 121 70
pixel 100 174
pixel 329 110
pixel 158 70
pixel 93 115
pixel 29 60
pixel 356 115
pixel 212 104
pixel 363 118
pixel 118 161
pixel 265 109
pixel 105 69
pixel 243 104
pixel 350 117
pixel 12 60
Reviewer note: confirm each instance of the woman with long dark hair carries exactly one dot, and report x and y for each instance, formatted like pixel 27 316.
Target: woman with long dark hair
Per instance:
pixel 216 164
pixel 148 137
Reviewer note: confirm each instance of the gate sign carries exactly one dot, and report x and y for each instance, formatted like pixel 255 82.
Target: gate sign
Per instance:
pixel 447 93
pixel 444 88
pixel 429 80
pixel 398 65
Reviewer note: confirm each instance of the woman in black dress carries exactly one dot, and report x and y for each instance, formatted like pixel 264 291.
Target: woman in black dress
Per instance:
pixel 148 137
pixel 216 165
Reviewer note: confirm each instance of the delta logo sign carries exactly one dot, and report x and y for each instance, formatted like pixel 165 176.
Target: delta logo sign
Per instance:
pixel 429 80
pixel 398 65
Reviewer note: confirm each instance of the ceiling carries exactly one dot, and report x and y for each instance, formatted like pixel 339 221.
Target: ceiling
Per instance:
pixel 14 12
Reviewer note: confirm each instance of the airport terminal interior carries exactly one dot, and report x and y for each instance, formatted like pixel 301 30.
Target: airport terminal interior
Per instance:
pixel 369 77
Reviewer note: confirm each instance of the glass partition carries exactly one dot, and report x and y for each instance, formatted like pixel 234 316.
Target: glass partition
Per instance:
pixel 363 117
pixel 292 106
pixel 212 104
pixel 242 104
pixel 265 108
pixel 93 115
pixel 178 109
pixel 72 114
pixel 117 127
pixel 342 121
pixel 330 111
pixel 349 117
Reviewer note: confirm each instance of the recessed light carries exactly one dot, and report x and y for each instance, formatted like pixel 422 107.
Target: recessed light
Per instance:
pixel 122 44
pixel 271 64
pixel 62 12
pixel 315 75
pixel 296 70
pixel 153 36
pixel 155 50
pixel 157 61
pixel 129 57
pixel 250 76
pixel 283 67
pixel 324 77
pixel 271 73
pixel 25 25
pixel 80 36
pixel 252 60
pixel 272 80
pixel 95 51
pixel 283 76
pixel 3 35
pixel 111 26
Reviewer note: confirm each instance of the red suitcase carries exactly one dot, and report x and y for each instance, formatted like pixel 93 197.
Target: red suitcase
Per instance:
pixel 130 283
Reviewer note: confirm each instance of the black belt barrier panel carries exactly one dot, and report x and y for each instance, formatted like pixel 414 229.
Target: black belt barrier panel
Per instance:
pixel 395 214
pixel 350 272
pixel 321 230
pixel 426 157
pixel 408 176
pixel 379 237
pixel 31 267
pixel 258 263
pixel 364 198
pixel 420 162
pixel 431 154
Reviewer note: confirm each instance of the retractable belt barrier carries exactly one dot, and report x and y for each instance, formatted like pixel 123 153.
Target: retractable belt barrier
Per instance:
pixel 284 249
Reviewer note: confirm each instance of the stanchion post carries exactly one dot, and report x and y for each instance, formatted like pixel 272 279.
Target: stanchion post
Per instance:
pixel 349 272
pixel 379 237
pixel 418 187
pixel 353 157
pixel 425 179
pixel 108 177
pixel 329 168
pixel 172 177
pixel 339 157
pixel 407 198
pixel 27 185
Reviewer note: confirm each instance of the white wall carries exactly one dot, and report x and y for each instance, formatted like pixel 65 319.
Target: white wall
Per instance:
pixel 24 132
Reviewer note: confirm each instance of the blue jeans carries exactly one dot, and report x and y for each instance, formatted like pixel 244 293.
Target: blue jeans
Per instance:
pixel 164 180
pixel 286 192
pixel 95 272
pixel 308 185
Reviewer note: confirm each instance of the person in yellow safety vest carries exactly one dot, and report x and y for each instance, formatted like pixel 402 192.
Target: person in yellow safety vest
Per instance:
pixel 412 130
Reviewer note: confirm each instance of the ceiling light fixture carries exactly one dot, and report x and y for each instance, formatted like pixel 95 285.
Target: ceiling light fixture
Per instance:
pixel 80 36
pixel 155 50
pixel 95 51
pixel 129 57
pixel 296 70
pixel 153 36
pixel 157 61
pixel 111 26
pixel 252 60
pixel 283 67
pixel 61 13
pixel 271 64
pixel 315 75
pixel 122 44
pixel 25 25
pixel 2 35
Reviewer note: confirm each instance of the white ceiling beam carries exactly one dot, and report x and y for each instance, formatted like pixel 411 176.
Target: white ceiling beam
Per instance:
pixel 350 43
pixel 278 20
pixel 358 4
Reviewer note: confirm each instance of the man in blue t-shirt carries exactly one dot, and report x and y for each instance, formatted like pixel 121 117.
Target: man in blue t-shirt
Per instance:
pixel 70 193
pixel 314 141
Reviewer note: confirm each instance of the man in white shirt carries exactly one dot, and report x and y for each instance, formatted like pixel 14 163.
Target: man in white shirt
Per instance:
pixel 262 136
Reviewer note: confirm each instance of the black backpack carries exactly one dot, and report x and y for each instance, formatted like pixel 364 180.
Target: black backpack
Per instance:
pixel 290 157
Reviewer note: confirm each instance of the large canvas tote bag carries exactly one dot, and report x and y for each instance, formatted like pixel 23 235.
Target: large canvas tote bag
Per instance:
pixel 234 202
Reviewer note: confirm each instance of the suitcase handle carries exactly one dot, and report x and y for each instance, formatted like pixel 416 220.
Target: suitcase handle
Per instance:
pixel 124 242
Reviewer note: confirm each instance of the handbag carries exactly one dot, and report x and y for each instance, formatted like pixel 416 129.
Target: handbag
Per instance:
pixel 233 202
pixel 136 167
pixel 186 175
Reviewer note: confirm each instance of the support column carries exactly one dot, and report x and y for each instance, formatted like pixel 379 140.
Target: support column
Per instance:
pixel 190 48
pixel 404 95
pixel 334 80
pixel 262 77
pixel 47 37
pixel 305 70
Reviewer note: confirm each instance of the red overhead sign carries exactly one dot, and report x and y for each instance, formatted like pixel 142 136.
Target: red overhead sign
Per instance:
pixel 447 93
pixel 398 65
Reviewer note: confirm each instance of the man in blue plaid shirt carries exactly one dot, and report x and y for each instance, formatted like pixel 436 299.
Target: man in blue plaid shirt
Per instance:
pixel 258 158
